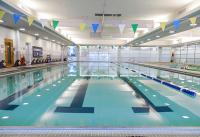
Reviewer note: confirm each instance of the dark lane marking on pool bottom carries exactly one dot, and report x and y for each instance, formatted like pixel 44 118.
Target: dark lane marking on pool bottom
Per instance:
pixel 77 102
pixel 145 109
pixel 4 104
pixel 141 109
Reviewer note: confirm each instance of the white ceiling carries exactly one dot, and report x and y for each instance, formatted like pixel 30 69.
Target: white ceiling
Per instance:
pixel 182 37
pixel 71 13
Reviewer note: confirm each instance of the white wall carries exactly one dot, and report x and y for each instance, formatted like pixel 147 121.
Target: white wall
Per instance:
pixel 49 48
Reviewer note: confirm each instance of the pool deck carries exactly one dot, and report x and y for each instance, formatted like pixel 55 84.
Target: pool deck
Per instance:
pixel 20 69
pixel 164 66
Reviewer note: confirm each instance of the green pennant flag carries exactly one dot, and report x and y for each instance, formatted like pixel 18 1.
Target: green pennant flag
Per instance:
pixel 55 24
pixel 134 27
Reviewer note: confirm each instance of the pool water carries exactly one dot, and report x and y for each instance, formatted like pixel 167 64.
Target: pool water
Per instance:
pixel 94 95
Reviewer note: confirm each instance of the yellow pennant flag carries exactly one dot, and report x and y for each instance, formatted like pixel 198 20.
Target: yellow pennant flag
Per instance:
pixel 82 26
pixel 193 20
pixel 2 13
pixel 30 20
pixel 163 25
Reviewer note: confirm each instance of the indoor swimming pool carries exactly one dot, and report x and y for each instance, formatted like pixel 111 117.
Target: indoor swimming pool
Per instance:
pixel 89 94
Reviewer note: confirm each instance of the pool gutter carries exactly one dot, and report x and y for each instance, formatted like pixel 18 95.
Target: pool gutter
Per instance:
pixel 143 131
pixel 180 71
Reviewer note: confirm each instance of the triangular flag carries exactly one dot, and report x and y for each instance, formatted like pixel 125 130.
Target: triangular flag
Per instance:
pixel 95 27
pixel 176 24
pixel 55 24
pixel 30 20
pixel 82 26
pixel 16 17
pixel 42 22
pixel 193 20
pixel 2 13
pixel 163 25
pixel 134 27
pixel 121 27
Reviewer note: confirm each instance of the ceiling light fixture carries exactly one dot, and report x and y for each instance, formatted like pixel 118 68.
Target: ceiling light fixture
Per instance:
pixel 158 36
pixel 53 40
pixel 171 31
pixel 36 34
pixel 22 29
pixel 193 25
pixel 148 39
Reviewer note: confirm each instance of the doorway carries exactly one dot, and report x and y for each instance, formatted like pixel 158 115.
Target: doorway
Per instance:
pixel 9 53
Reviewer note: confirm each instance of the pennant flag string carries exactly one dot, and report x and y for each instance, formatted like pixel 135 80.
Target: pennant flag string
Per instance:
pixel 134 27
pixel 2 13
pixel 95 27
pixel 163 25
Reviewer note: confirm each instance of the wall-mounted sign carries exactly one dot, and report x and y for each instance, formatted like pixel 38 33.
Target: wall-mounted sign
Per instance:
pixel 37 52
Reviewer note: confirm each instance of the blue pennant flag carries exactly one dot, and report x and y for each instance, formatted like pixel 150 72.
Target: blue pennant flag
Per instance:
pixel 95 27
pixel 176 24
pixel 16 18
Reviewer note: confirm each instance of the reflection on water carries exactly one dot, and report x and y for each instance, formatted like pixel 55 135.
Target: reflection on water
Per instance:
pixel 38 76
pixel 15 83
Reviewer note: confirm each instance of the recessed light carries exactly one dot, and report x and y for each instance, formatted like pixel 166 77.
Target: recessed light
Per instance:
pixel 38 95
pixel 5 117
pixel 25 103
pixel 167 104
pixel 148 39
pixel 53 40
pixel 185 117
pixel 171 31
pixel 22 29
pixel 158 36
pixel 1 21
pixel 36 34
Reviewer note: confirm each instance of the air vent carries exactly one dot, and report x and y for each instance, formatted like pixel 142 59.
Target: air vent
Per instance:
pixel 107 15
